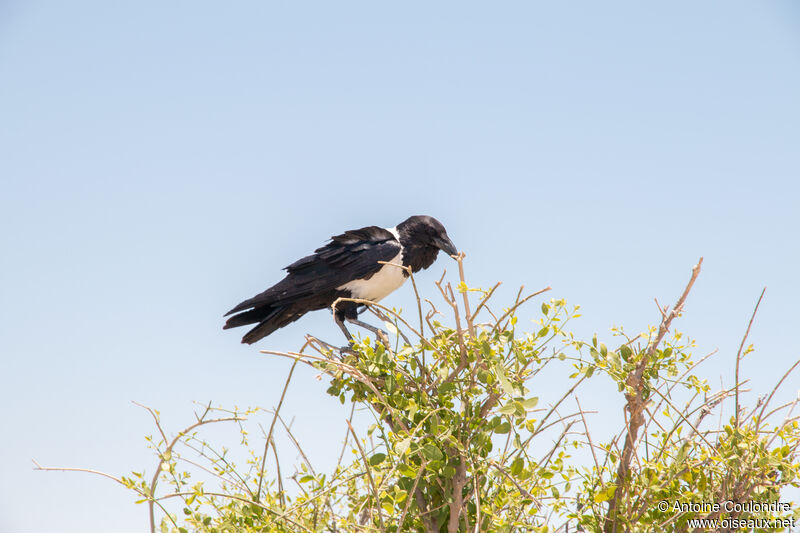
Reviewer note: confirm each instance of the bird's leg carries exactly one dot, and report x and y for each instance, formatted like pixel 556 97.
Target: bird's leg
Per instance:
pixel 341 325
pixel 379 333
pixel 339 322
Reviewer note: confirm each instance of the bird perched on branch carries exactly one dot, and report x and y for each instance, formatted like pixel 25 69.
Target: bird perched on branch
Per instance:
pixel 367 263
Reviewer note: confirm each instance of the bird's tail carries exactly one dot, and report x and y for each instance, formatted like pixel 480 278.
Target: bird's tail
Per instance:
pixel 269 318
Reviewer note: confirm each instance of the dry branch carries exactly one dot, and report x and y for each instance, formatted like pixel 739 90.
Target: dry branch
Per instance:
pixel 636 401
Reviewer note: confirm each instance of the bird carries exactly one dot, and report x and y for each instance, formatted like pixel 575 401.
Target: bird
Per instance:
pixel 362 264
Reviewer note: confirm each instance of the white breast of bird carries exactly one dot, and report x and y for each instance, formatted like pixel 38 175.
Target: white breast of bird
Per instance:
pixel 386 280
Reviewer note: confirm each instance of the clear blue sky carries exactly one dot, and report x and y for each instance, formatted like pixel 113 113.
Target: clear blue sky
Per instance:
pixel 161 161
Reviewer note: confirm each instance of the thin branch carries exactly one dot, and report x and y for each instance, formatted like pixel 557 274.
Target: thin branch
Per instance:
pixel 346 436
pixel 517 304
pixel 200 421
pixel 508 476
pixel 588 436
pixel 467 314
pixel 636 402
pixel 272 426
pixel 280 516
pixel 741 346
pixel 297 445
pixel 774 390
pixel 420 471
pixel 369 476
pixel 278 472
pixel 485 299
pixel 87 471
pixel 554 407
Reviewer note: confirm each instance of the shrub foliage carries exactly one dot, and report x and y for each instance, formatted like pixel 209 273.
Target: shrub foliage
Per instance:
pixel 462 441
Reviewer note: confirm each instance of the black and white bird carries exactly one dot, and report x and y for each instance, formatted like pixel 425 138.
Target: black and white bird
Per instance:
pixel 347 267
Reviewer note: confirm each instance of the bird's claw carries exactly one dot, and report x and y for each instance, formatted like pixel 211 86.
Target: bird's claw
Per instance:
pixel 347 350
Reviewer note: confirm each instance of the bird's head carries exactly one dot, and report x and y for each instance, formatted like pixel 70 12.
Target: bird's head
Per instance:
pixel 425 231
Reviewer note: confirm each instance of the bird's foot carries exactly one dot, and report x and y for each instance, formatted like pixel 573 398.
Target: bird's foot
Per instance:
pixel 347 350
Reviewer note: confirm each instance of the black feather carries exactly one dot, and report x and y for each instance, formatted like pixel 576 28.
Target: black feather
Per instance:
pixel 312 282
pixel 316 281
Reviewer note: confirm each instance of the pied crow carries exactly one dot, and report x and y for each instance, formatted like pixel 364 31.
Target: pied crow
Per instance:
pixel 347 267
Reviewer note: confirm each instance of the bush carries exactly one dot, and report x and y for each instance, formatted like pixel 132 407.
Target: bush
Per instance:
pixel 455 419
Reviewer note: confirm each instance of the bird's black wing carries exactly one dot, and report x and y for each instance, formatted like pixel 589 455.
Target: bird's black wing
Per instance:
pixel 352 255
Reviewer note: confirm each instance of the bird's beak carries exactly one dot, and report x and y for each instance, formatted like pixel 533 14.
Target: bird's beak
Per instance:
pixel 445 245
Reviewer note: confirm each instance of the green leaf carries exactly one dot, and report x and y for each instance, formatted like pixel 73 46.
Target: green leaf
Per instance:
pixel 432 453
pixel 412 409
pixel 377 459
pixel 626 352
pixel 503 428
pixel 508 409
pixel 505 384
pixel 486 349
pixel 606 494
pixel 517 466
pixel 530 403
pixel 446 388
